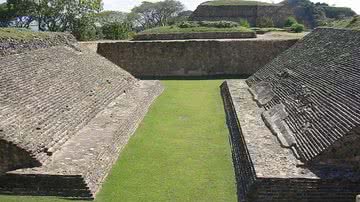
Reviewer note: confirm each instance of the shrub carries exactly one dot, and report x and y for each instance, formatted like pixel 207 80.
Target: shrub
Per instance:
pixel 218 24
pixel 187 24
pixel 116 30
pixel 290 21
pixel 244 23
pixel 297 28
pixel 265 22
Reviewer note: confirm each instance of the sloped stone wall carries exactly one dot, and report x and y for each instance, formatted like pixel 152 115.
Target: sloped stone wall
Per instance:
pixel 12 157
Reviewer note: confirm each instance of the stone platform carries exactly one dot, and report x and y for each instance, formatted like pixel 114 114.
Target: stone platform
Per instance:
pixel 81 165
pixel 265 170
pixel 65 115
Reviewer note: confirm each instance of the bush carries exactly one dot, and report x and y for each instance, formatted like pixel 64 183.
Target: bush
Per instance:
pixel 265 22
pixel 290 22
pixel 117 30
pixel 187 24
pixel 297 28
pixel 244 23
pixel 218 24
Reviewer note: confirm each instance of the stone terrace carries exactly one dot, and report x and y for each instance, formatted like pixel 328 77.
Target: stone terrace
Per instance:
pixel 294 124
pixel 65 116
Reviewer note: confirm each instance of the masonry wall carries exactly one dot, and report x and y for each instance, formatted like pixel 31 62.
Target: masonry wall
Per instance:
pixel 195 57
pixel 278 13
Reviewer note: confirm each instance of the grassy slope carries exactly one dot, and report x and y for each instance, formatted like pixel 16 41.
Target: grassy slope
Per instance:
pixel 175 29
pixel 349 23
pixel 180 152
pixel 235 2
pixel 22 34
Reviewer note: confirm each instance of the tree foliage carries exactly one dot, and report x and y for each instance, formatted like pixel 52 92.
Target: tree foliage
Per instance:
pixel 297 28
pixel 150 14
pixel 22 11
pixel 316 13
pixel 52 15
pixel 110 17
pixel 4 15
pixel 117 30
pixel 290 21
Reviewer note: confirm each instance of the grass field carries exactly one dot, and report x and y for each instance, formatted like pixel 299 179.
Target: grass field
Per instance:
pixel 175 29
pixel 23 34
pixel 348 23
pixel 179 153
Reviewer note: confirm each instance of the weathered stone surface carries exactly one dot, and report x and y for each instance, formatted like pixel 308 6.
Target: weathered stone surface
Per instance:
pixel 317 81
pixel 253 13
pixel 266 171
pixel 194 57
pixel 200 35
pixel 83 162
pixel 65 115
pixel 10 46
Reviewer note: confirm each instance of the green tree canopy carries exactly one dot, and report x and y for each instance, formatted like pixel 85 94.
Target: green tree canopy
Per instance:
pixel 53 15
pixel 150 14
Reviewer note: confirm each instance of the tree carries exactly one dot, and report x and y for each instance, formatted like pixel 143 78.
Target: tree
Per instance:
pixel 60 15
pixel 110 17
pixel 52 15
pixel 84 29
pixel 150 14
pixel 23 12
pixel 4 15
pixel 117 30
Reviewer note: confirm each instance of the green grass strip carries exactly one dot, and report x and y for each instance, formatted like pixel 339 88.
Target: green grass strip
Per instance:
pixel 179 153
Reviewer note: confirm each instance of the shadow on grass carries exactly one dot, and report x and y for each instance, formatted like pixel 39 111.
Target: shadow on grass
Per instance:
pixel 215 77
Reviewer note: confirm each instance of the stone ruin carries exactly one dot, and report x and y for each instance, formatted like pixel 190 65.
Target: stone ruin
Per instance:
pixel 254 13
pixel 295 124
pixel 257 11
pixel 65 115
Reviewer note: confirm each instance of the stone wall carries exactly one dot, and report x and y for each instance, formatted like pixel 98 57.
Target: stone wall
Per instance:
pixel 232 13
pixel 316 81
pixel 277 12
pixel 195 57
pixel 12 157
pixel 199 35
pixel 65 115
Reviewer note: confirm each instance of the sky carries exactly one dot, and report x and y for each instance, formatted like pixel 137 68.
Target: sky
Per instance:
pixel 126 5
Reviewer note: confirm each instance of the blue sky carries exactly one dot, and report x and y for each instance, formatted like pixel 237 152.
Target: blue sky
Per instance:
pixel 126 5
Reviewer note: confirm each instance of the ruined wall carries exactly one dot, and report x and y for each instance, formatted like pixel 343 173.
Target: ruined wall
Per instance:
pixel 231 13
pixel 278 13
pixel 194 58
